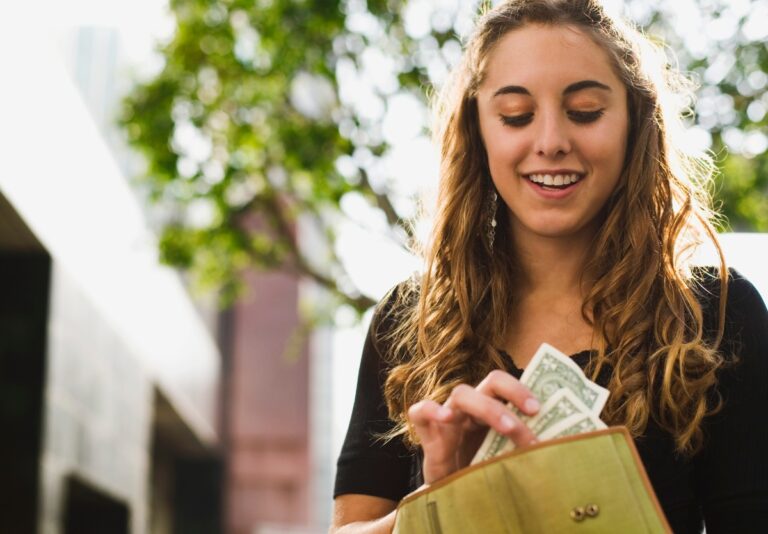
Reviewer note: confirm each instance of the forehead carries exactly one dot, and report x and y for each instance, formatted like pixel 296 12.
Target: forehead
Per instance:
pixel 542 56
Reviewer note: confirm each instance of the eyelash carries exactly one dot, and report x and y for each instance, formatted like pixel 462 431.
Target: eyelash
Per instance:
pixel 580 117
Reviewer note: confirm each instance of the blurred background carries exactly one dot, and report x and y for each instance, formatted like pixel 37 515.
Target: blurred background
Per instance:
pixel 200 201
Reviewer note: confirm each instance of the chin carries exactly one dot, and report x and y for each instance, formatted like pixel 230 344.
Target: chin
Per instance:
pixel 554 226
pixel 561 230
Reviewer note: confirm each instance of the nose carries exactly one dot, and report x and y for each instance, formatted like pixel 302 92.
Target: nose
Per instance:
pixel 553 137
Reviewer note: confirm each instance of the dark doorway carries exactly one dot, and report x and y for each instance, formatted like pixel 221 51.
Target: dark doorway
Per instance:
pixel 198 496
pixel 186 477
pixel 90 511
pixel 25 271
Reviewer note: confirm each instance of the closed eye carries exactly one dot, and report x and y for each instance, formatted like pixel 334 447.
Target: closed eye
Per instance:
pixel 516 120
pixel 581 117
pixel 584 117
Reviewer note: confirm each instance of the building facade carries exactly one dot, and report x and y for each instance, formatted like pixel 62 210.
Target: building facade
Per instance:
pixel 132 408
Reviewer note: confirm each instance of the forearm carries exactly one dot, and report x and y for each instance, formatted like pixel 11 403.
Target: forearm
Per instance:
pixel 383 525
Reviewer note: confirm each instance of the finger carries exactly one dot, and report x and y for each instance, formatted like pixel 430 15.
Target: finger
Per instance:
pixel 429 420
pixel 439 439
pixel 505 386
pixel 428 411
pixel 490 411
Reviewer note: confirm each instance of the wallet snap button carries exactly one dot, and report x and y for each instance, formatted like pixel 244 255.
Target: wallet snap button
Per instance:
pixel 578 513
pixel 592 510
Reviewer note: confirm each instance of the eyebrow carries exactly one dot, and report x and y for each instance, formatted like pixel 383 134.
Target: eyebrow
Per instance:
pixel 578 86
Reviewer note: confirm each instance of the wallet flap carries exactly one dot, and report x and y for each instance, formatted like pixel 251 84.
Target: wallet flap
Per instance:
pixel 594 481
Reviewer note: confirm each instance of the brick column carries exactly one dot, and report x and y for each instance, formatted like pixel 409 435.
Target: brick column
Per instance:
pixel 267 426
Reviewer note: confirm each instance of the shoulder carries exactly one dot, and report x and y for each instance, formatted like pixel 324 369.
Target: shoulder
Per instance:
pixel 746 321
pixel 731 471
pixel 744 306
pixel 404 292
pixel 394 309
pixel 382 335
pixel 745 334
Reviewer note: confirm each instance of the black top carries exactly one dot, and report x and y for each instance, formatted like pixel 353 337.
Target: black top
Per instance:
pixel 725 485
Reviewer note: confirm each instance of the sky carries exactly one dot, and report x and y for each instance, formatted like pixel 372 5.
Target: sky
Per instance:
pixel 140 22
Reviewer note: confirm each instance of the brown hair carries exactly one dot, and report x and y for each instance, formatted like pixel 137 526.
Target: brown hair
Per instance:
pixel 647 321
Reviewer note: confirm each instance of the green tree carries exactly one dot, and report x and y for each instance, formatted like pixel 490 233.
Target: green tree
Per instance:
pixel 247 126
pixel 723 49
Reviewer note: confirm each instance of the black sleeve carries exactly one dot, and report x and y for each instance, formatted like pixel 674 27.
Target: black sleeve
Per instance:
pixel 366 464
pixel 732 470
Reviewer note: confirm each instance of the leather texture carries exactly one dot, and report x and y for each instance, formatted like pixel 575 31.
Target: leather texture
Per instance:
pixel 587 484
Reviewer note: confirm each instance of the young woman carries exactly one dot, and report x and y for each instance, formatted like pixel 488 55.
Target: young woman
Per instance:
pixel 566 214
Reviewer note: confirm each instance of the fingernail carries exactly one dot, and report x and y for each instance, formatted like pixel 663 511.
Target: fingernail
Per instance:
pixel 444 412
pixel 507 423
pixel 531 405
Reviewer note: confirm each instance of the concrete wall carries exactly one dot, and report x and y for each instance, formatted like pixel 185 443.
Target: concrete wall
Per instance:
pixel 121 327
pixel 63 180
pixel 97 410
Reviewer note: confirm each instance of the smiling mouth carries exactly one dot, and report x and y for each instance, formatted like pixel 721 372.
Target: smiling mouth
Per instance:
pixel 554 182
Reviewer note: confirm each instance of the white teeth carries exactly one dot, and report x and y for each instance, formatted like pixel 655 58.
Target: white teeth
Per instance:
pixel 558 179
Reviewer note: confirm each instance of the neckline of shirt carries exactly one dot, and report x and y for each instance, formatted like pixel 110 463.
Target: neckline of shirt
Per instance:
pixel 581 358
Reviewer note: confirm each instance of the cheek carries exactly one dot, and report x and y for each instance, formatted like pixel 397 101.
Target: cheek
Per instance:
pixel 504 149
pixel 501 143
pixel 607 149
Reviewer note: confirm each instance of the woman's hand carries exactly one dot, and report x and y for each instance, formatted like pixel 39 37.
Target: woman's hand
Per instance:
pixel 451 433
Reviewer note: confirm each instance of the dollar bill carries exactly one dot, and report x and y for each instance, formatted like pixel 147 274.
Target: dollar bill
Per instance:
pixel 573 425
pixel 567 398
pixel 550 370
pixel 493 445
pixel 559 407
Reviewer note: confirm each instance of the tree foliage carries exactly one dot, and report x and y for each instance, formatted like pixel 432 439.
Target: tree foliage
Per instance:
pixel 725 52
pixel 247 129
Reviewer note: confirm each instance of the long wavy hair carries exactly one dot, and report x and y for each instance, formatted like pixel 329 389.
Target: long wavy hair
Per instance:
pixel 446 325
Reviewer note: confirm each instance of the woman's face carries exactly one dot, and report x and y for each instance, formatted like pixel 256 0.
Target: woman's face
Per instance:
pixel 553 117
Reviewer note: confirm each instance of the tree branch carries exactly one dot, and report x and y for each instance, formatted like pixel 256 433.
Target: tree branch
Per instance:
pixel 385 204
pixel 283 227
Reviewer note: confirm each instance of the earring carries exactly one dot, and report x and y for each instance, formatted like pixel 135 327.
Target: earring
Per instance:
pixel 492 205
